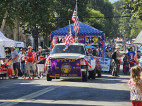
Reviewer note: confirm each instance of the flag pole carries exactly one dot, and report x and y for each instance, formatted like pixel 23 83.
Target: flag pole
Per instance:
pixel 75 31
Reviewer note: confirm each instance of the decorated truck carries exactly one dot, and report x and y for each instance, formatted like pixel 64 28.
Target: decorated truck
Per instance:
pixel 70 61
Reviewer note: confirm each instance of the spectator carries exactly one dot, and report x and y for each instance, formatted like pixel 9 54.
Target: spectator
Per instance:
pixel 90 51
pixel 131 55
pixel 15 59
pixel 40 62
pixel 135 84
pixel 126 65
pixel 22 55
pixel 116 56
pixel 4 67
pixel 99 52
pixel 137 57
pixel 31 59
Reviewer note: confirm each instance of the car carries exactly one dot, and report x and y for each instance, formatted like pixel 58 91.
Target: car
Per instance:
pixel 71 61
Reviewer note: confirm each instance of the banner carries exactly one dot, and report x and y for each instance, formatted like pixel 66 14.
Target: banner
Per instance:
pixel 105 63
pixel 65 68
pixel 81 39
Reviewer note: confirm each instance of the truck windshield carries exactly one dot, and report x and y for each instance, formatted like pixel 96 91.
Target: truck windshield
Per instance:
pixel 71 49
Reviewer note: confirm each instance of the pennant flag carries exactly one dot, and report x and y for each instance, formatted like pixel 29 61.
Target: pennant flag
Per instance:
pixel 75 19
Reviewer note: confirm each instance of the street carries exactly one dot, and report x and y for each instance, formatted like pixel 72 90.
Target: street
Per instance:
pixel 105 91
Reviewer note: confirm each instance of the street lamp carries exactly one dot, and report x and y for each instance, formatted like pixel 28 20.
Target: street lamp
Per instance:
pixel 56 17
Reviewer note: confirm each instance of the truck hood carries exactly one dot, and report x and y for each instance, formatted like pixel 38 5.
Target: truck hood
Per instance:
pixel 67 55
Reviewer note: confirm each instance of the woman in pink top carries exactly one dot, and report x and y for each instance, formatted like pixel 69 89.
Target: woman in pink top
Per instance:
pixel 135 84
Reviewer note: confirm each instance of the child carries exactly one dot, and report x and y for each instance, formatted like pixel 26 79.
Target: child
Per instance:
pixel 5 68
pixel 135 84
pixel 126 65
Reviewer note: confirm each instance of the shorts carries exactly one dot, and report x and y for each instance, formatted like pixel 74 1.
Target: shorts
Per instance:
pixel 40 67
pixel 16 65
pixel 30 66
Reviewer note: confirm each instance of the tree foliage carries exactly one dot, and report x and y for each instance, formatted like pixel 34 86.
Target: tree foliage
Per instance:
pixel 41 13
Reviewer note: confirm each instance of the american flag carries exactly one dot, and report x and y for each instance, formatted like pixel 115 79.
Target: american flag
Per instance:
pixel 69 38
pixel 75 19
pixel 54 41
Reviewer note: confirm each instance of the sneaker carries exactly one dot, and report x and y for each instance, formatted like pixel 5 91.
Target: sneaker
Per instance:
pixel 39 76
pixel 33 77
pixel 29 78
pixel 16 77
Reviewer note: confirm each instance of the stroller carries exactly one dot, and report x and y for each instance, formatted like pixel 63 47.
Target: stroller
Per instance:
pixel 126 65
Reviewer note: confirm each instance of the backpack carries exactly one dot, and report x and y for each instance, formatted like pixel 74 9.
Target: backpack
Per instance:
pixel 30 57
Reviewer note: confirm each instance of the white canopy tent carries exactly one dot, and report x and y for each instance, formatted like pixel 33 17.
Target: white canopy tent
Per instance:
pixel 6 42
pixel 139 38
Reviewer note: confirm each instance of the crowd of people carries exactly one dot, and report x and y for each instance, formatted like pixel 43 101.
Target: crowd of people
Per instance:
pixel 25 61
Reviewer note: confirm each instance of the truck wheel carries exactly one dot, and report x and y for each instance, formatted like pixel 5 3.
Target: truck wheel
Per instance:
pixel 48 77
pixel 84 77
pixel 93 74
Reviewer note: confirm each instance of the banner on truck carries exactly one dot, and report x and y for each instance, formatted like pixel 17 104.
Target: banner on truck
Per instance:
pixel 65 68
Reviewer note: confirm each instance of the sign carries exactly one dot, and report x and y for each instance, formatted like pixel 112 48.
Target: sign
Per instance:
pixel 65 68
pixel 81 39
pixel 105 63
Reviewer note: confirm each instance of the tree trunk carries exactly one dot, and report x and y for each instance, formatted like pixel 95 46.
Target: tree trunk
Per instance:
pixel 16 30
pixel 4 21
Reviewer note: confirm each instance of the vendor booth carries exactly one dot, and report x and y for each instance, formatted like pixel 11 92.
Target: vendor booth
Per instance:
pixel 6 42
pixel 84 31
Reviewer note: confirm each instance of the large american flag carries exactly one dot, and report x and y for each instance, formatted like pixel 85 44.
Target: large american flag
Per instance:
pixel 75 19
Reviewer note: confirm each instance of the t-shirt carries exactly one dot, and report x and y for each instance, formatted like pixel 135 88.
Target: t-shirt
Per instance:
pixel 21 56
pixel 41 58
pixel 13 55
pixel 131 55
pixel 31 56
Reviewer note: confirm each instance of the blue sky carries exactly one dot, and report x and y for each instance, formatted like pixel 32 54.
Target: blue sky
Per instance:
pixel 113 1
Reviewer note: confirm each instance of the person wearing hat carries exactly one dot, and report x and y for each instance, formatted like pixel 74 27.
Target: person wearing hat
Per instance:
pixel 40 62
pixel 31 62
pixel 90 51
pixel 15 60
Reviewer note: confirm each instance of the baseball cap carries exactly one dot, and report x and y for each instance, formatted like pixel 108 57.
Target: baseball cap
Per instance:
pixel 29 47
pixel 39 47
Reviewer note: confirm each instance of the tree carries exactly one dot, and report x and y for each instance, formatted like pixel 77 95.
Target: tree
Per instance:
pixel 135 6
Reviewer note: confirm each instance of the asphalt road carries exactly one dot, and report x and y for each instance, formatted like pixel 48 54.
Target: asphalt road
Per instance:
pixel 105 91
